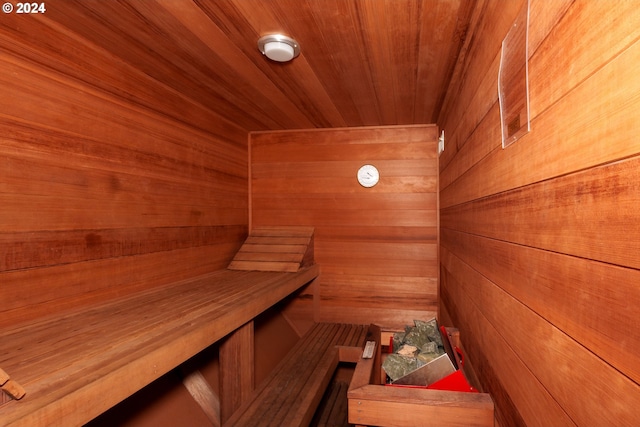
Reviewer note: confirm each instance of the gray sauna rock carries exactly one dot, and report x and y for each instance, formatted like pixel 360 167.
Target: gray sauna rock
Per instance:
pixel 428 352
pixel 398 340
pixel 413 348
pixel 397 366
pixel 416 338
pixel 430 347
pixel 430 330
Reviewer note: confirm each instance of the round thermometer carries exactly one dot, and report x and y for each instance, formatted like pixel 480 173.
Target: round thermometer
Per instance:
pixel 368 176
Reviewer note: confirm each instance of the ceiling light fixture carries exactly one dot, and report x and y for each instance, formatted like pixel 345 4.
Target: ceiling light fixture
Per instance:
pixel 278 47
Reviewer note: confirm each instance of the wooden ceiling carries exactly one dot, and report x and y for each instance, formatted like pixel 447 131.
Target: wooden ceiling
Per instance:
pixel 362 62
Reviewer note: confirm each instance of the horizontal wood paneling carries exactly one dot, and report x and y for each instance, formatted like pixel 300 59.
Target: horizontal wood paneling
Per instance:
pixel 475 80
pixel 410 293
pixel 35 292
pixel 44 248
pixel 472 82
pixel 111 181
pixel 544 346
pixel 570 214
pixel 562 148
pixel 539 253
pixel 544 281
pixel 373 200
pixel 378 246
pixel 510 383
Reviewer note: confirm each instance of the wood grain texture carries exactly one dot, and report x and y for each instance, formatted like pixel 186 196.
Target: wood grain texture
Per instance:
pixel 294 389
pixel 76 366
pixel 378 246
pixel 32 293
pixel 544 281
pixel 563 147
pixel 538 242
pixel 373 403
pixel 480 75
pixel 569 215
pixel 200 390
pixel 112 181
pixel 124 167
pixel 275 249
pixel 372 62
pixel 237 380
pixel 333 408
pixel 517 394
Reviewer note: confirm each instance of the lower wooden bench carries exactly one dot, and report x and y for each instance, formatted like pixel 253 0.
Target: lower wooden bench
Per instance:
pixel 292 392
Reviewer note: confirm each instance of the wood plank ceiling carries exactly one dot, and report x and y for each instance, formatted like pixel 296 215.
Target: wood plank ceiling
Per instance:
pixel 362 62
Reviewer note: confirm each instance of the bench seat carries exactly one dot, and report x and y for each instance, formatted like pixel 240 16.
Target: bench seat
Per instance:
pixel 76 365
pixel 290 395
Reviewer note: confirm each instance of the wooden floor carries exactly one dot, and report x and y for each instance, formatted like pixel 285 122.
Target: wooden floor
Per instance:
pixel 332 411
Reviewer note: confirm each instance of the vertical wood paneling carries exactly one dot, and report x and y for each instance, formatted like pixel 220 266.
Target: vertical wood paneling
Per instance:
pixel 377 247
pixel 110 181
pixel 539 241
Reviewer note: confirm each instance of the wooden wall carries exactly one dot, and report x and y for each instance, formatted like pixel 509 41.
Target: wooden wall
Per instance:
pixel 376 247
pixel 110 182
pixel 540 242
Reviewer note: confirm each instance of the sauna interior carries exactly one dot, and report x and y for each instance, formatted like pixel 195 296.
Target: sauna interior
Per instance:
pixel 143 141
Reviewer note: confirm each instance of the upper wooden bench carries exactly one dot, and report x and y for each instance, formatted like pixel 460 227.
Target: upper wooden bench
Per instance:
pixel 79 364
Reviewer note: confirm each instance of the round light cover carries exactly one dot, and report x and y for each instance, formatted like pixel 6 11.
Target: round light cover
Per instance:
pixel 278 51
pixel 368 176
pixel 278 47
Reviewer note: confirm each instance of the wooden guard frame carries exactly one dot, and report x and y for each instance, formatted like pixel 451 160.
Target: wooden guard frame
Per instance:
pixel 371 403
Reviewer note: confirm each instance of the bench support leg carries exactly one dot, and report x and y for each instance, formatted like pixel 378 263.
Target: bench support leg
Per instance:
pixel 204 396
pixel 236 370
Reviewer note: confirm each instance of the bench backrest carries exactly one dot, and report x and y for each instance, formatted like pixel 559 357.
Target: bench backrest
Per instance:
pixel 275 249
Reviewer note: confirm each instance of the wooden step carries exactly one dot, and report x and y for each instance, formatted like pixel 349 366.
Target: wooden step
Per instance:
pixel 292 392
pixel 333 409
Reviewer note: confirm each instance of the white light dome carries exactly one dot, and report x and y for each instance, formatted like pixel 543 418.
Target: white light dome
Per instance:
pixel 278 47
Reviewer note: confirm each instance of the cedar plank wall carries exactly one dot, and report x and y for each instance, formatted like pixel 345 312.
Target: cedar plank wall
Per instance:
pixel 109 181
pixel 540 242
pixel 377 247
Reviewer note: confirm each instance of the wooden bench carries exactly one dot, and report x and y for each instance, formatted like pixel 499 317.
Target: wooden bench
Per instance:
pixel 77 364
pixel 293 391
